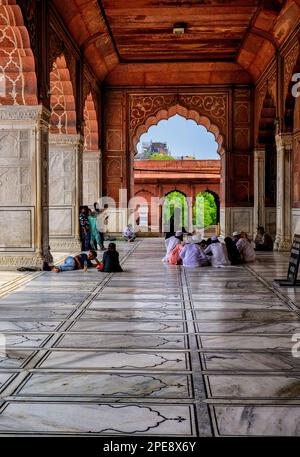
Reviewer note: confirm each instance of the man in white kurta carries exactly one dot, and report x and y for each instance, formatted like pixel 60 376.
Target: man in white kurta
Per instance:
pixel 193 256
pixel 218 252
pixel 244 247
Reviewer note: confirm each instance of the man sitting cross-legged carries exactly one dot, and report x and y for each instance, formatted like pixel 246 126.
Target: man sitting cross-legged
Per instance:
pixel 78 262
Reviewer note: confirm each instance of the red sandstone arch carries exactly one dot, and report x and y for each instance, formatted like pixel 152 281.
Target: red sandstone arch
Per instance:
pixel 266 134
pixel 62 101
pixel 266 139
pixel 18 85
pixel 184 112
pixel 91 136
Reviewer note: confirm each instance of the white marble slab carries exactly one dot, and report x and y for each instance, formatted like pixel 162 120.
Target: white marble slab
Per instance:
pixel 25 340
pixel 246 386
pixel 245 315
pixel 260 342
pixel 117 360
pixel 14 358
pixel 253 361
pixel 128 326
pixel 160 304
pixel 4 377
pixel 175 420
pixel 256 420
pixel 39 312
pixel 213 303
pixel 107 385
pixel 116 314
pixel 28 326
pixel 124 341
pixel 248 327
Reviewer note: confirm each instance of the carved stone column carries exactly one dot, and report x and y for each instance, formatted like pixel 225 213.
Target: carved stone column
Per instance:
pixel 23 186
pixel 65 191
pixel 284 145
pixel 91 177
pixel 259 217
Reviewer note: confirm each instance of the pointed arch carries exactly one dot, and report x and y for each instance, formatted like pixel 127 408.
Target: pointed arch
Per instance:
pixel 266 139
pixel 18 83
pixel 213 216
pixel 175 204
pixel 266 131
pixel 187 114
pixel 91 135
pixel 62 101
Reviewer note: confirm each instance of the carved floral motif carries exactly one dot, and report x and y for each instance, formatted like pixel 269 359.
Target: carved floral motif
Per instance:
pixel 214 106
pixel 289 64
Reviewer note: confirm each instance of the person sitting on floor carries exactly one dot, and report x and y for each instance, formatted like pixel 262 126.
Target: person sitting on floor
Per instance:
pixel 218 253
pixel 263 241
pixel 193 255
pixel 171 243
pixel 174 256
pixel 203 244
pixel 233 252
pixel 110 261
pixel 129 234
pixel 79 262
pixel 244 247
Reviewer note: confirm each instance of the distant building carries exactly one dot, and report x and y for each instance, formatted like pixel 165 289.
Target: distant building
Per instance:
pixel 148 149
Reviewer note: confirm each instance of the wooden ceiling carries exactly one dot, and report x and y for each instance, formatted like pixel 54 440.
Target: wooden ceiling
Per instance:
pixel 131 42
pixel 214 30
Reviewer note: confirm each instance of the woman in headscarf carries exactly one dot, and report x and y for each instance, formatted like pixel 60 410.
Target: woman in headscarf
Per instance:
pixel 94 233
pixel 110 261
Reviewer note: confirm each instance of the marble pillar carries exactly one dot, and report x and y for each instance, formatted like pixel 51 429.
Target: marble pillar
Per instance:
pixel 284 145
pixel 92 190
pixel 259 216
pixel 236 219
pixel 65 191
pixel 24 227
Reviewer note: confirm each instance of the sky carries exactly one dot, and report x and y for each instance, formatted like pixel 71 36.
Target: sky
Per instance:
pixel 183 137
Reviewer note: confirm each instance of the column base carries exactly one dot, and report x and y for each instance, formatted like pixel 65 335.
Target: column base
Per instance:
pixel 64 245
pixel 12 261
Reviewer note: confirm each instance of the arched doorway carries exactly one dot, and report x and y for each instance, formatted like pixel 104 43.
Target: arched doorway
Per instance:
pixel 206 212
pixel 175 212
pixel 266 168
pixel 177 154
pixel 91 154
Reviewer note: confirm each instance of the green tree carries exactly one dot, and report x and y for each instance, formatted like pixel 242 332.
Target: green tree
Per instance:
pixel 158 156
pixel 205 210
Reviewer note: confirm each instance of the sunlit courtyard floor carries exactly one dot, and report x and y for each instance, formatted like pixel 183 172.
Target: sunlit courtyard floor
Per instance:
pixel 155 350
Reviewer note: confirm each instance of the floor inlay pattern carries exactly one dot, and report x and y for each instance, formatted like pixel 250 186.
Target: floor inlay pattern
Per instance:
pixel 156 350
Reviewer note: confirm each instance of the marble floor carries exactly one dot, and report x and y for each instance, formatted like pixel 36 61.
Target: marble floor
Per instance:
pixel 12 280
pixel 156 350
